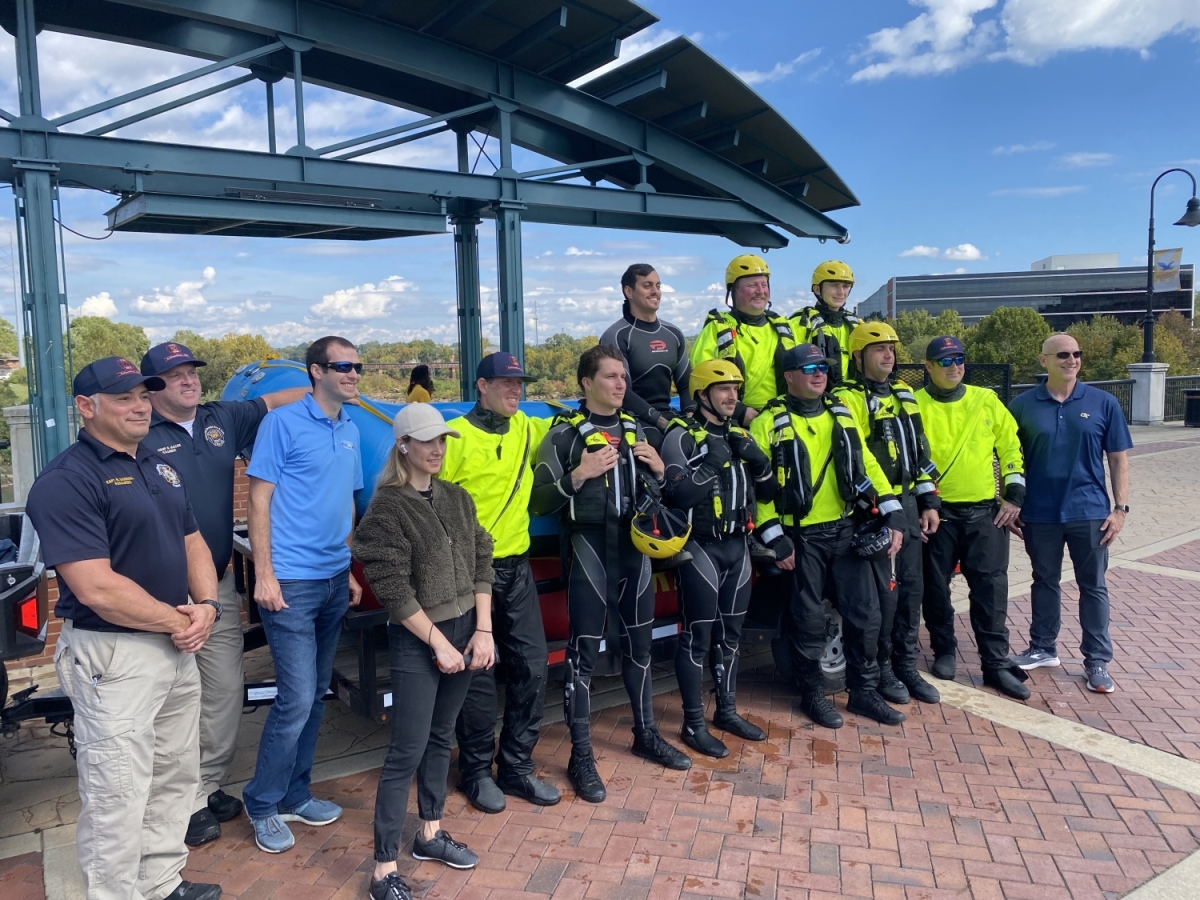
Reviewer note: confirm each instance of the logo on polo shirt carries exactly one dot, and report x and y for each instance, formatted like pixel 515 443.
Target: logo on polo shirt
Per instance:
pixel 1085 415
pixel 170 449
pixel 169 475
pixel 349 445
pixel 215 435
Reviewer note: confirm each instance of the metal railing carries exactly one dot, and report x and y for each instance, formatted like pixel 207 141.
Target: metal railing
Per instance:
pixel 1121 388
pixel 1176 385
pixel 996 376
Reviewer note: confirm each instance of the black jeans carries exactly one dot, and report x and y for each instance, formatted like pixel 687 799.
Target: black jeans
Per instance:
pixel 1044 543
pixel 425 707
pixel 521 651
pixel 967 537
pixel 827 567
pixel 714 594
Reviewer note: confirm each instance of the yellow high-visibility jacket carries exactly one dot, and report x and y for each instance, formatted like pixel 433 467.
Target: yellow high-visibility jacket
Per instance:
pixel 812 327
pixel 756 349
pixel 964 435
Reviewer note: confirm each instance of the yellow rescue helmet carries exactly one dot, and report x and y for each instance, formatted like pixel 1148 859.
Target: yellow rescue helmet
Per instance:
pixel 744 265
pixel 869 333
pixel 832 270
pixel 713 371
pixel 658 532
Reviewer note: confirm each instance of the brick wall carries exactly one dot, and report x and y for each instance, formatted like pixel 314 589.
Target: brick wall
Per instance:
pixel 241 499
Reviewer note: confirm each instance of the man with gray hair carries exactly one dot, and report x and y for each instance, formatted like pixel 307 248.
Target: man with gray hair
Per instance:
pixel 1067 428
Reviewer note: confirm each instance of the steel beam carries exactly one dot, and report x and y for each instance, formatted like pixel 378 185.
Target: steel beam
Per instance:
pixel 539 31
pixel 470 326
pixel 681 118
pixel 509 278
pixel 453 15
pixel 174 104
pixel 648 84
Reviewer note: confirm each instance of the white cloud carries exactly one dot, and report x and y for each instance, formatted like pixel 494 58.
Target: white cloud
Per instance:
pixel 100 304
pixel 185 297
pixel 780 71
pixel 1024 148
pixel 963 253
pixel 1086 160
pixel 1040 191
pixel 575 251
pixel 715 288
pixel 941 39
pixel 920 250
pixel 364 301
pixel 948 36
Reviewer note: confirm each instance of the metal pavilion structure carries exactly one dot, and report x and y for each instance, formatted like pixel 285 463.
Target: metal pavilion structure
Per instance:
pixel 669 142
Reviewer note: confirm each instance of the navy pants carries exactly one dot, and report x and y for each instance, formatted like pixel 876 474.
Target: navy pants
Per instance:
pixel 1044 541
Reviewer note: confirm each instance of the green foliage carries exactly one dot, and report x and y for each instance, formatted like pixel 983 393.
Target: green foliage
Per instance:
pixel 1011 335
pixel 554 363
pixel 912 325
pixel 916 328
pixel 1185 330
pixel 224 356
pixel 95 337
pixel 8 338
pixel 949 322
pixel 1105 343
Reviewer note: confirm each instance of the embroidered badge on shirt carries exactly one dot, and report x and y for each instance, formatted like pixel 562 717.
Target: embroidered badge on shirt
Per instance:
pixel 1085 415
pixel 169 475
pixel 349 445
pixel 215 435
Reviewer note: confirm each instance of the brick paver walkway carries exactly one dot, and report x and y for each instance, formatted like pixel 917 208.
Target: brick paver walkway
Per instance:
pixel 21 877
pixel 1184 557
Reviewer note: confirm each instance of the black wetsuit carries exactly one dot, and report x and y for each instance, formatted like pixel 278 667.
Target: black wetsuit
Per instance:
pixel 655 356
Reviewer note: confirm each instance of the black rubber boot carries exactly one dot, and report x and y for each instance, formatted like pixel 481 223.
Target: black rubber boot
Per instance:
pixel 695 734
pixel 817 707
pixel 918 687
pixel 727 719
pixel 944 667
pixel 891 688
pixel 870 704
pixel 1007 682
pixel 581 770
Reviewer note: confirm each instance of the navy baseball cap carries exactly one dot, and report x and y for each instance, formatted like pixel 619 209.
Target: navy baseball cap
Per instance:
pixel 946 345
pixel 501 365
pixel 803 355
pixel 113 375
pixel 167 356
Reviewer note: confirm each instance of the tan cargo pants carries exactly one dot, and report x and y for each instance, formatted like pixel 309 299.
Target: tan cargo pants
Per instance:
pixel 137 710
pixel 221 692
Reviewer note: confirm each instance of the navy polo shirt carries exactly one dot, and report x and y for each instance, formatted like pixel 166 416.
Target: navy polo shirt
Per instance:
pixel 1064 446
pixel 94 502
pixel 205 458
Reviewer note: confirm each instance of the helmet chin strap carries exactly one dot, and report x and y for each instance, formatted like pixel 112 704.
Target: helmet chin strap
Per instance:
pixel 701 399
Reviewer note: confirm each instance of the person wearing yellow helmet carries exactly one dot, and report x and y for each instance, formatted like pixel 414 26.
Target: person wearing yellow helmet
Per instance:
pixel 596 466
pixel 713 470
pixel 828 324
pixel 749 334
pixel 889 420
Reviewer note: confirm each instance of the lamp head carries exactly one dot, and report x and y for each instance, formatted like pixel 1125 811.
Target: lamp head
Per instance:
pixel 1191 218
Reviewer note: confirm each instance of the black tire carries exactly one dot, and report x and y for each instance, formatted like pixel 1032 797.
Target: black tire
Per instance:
pixel 833 661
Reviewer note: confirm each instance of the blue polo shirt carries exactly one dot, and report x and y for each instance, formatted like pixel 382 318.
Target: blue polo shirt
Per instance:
pixel 315 464
pixel 95 502
pixel 205 458
pixel 1064 446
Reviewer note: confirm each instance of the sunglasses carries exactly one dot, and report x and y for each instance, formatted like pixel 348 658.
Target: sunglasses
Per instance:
pixel 343 368
pixel 1068 354
pixel 947 361
pixel 815 368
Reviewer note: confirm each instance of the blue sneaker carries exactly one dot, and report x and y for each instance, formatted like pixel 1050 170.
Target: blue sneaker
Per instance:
pixel 271 835
pixel 1035 659
pixel 313 812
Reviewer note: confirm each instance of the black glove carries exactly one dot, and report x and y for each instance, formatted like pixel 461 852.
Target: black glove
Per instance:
pixel 719 452
pixel 747 450
pixel 782 547
pixel 1015 494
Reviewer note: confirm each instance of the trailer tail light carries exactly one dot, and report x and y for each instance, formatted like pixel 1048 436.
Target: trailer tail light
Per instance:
pixel 27 616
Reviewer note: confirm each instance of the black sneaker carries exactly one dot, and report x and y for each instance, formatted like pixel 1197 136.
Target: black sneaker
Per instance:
pixel 224 807
pixel 759 552
pixel 483 794
pixel 870 704
pixel 389 887
pixel 698 738
pixel 817 707
pixel 203 828
pixel 918 687
pixel 944 667
pixel 444 849
pixel 529 787
pixel 650 745
pixel 191 890
pixel 891 688
pixel 1006 681
pixel 581 769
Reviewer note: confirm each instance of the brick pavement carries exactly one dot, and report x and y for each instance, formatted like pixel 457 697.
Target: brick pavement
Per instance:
pixel 1184 557
pixel 21 877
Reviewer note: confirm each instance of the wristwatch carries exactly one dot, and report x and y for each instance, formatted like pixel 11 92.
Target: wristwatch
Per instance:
pixel 215 605
pixel 1121 507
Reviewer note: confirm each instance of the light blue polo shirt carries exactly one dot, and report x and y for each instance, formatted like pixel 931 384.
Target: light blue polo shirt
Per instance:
pixel 315 465
pixel 1064 446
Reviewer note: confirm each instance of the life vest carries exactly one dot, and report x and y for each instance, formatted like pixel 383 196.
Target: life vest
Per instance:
pixel 591 505
pixel 823 337
pixel 727 337
pixel 793 467
pixel 897 439
pixel 731 498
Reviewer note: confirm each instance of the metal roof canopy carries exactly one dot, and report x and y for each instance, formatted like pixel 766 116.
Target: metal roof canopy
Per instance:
pixel 675 163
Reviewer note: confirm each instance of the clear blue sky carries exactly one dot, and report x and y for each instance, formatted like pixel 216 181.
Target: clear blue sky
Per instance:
pixel 978 134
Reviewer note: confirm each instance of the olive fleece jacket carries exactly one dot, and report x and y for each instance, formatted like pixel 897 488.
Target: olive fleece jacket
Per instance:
pixel 419 554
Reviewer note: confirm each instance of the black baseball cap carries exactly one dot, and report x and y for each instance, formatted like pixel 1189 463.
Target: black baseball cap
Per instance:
pixel 946 345
pixel 113 375
pixel 804 355
pixel 167 356
pixel 501 365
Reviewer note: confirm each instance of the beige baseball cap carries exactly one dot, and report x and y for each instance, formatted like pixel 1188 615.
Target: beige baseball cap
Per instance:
pixel 421 422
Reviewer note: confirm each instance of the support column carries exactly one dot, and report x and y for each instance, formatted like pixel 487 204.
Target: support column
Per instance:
pixel 1149 392
pixel 470 329
pixel 20 440
pixel 508 274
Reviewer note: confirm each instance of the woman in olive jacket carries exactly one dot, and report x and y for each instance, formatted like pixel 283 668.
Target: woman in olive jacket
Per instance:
pixel 429 561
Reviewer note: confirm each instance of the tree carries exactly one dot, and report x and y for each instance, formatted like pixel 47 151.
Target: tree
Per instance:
pixel 223 356
pixel 949 322
pixel 1012 335
pixel 8 338
pixel 912 325
pixel 1174 322
pixel 554 363
pixel 1102 341
pixel 95 337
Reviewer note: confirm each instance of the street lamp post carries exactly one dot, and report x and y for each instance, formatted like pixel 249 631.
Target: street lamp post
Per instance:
pixel 1190 218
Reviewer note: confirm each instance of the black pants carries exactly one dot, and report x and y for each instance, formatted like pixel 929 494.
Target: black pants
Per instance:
pixel 1044 542
pixel 967 537
pixel 827 567
pixel 900 605
pixel 714 594
pixel 587 609
pixel 425 707
pixel 521 652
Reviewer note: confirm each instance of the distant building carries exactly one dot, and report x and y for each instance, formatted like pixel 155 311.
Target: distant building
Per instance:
pixel 8 365
pixel 1076 261
pixel 1062 296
